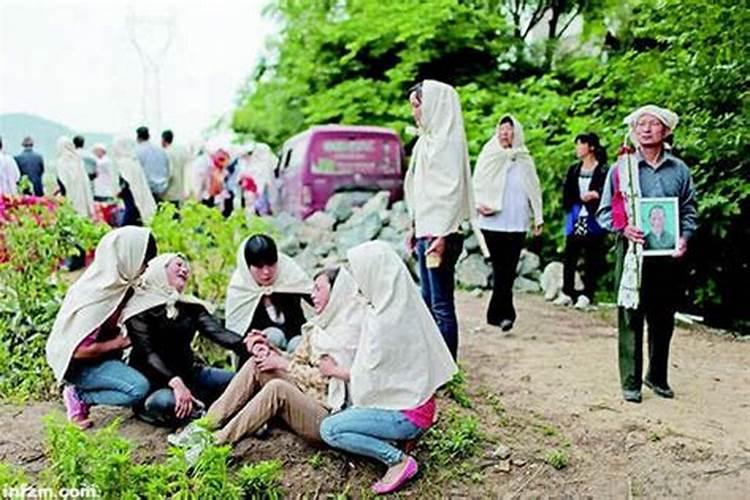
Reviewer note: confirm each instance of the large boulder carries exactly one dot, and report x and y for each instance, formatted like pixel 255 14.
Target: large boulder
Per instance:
pixel 526 285
pixel 551 280
pixel 378 203
pixel 307 260
pixel 289 244
pixel 340 206
pixel 527 263
pixel 473 272
pixel 400 221
pixel 285 223
pixel 366 229
pixel 322 221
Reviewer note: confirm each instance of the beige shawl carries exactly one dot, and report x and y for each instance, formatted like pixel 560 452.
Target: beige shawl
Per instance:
pixel 492 169
pixel 261 166
pixel 123 154
pixel 336 331
pixel 401 359
pixel 244 294
pixel 92 299
pixel 153 290
pixel 73 176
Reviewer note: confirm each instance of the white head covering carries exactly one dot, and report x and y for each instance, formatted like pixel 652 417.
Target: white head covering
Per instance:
pixel 73 176
pixel 123 154
pixel 92 299
pixel 154 290
pixel 336 331
pixel 261 166
pixel 667 117
pixel 244 293
pixel 492 170
pixel 9 174
pixel 437 184
pixel 402 358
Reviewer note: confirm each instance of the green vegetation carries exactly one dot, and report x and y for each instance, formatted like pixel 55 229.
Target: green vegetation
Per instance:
pixel 455 438
pixel 557 458
pixel 352 62
pixel 456 389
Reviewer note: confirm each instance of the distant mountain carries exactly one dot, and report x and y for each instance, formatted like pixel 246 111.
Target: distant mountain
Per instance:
pixel 15 126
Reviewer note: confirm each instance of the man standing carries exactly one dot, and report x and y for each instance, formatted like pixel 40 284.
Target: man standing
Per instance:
pixel 178 159
pixel 438 193
pixel 652 171
pixel 9 173
pixel 31 165
pixel 155 163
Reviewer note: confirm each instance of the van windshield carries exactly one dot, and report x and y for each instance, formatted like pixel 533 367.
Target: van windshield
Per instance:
pixel 348 155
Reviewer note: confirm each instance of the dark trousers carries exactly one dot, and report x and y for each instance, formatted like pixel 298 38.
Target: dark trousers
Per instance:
pixel 661 285
pixel 593 250
pixel 505 250
pixel 438 287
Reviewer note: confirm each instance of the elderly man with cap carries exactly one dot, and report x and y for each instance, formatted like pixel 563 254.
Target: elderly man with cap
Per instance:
pixel 648 288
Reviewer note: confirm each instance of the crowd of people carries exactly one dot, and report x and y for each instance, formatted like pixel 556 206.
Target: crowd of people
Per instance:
pixel 123 184
pixel 352 357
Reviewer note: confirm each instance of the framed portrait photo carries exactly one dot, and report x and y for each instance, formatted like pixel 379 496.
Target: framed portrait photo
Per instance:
pixel 660 223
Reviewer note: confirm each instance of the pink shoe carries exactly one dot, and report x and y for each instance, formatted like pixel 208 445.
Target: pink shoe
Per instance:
pixel 78 411
pixel 410 470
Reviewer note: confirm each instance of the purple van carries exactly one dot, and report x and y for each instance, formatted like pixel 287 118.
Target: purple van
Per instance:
pixel 328 159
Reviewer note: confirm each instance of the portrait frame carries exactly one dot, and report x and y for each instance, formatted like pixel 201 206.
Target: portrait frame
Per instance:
pixel 666 212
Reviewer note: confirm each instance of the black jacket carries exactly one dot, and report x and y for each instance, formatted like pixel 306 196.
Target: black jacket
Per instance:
pixel 31 165
pixel 290 305
pixel 161 346
pixel 572 194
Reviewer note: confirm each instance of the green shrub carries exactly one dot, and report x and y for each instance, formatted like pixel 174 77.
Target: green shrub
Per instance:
pixel 454 438
pixel 456 389
pixel 261 481
pixel 557 458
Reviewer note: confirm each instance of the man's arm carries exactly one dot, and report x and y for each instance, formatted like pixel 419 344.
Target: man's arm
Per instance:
pixel 604 213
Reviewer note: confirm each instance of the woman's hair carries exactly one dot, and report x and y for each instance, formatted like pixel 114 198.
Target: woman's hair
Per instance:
pixel 331 273
pixel 417 88
pixel 592 140
pixel 260 250
pixel 150 249
pixel 507 119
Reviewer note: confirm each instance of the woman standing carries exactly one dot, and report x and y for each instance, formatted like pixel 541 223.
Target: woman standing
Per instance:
pixel 135 192
pixel 508 196
pixel 583 235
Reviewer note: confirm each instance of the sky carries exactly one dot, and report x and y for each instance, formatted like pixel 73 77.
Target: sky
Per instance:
pixel 74 61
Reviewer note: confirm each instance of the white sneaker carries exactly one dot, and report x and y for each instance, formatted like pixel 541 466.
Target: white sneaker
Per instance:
pixel 562 300
pixel 583 302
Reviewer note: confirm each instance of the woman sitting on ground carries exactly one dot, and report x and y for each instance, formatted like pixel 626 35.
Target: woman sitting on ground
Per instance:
pixel 162 323
pixel 301 388
pixel 265 294
pixel 401 360
pixel 86 344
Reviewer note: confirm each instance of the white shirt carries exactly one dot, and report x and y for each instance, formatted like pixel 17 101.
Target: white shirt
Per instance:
pixel 515 216
pixel 9 174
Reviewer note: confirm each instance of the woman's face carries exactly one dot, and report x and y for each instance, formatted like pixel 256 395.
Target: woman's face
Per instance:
pixel 321 293
pixel 264 275
pixel 583 150
pixel 178 273
pixel 505 135
pixel 416 106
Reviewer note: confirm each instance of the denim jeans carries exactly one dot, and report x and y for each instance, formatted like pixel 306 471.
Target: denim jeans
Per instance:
pixel 277 338
pixel 110 382
pixel 438 287
pixel 206 386
pixel 367 431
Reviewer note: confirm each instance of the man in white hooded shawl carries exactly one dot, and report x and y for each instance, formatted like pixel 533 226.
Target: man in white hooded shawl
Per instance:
pixel 509 199
pixel 657 281
pixel 399 363
pixel 438 193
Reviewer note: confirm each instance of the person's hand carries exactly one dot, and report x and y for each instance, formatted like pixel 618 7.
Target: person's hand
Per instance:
pixel 537 231
pixel 485 210
pixel 272 362
pixel 634 234
pixel 589 196
pixel 254 337
pixel 328 366
pixel 437 247
pixel 183 398
pixel 119 342
pixel 411 241
pixel 681 248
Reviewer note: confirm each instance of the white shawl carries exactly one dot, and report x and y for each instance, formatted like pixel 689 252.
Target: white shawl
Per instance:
pixel 336 332
pixel 261 166
pixel 436 186
pixel 244 293
pixel 123 154
pixel 491 172
pixel 92 299
pixel 402 358
pixel 153 290
pixel 73 177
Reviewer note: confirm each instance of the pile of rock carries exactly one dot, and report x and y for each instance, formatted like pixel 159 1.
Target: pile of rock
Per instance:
pixel 323 239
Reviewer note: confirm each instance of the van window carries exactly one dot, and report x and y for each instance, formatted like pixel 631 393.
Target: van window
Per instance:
pixel 342 155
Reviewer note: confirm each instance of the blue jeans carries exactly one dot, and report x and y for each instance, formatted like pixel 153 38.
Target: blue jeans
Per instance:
pixel 206 386
pixel 438 287
pixel 277 338
pixel 110 382
pixel 366 431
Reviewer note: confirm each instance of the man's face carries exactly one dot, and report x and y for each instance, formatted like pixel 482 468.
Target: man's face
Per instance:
pixel 99 153
pixel 656 220
pixel 264 275
pixel 505 135
pixel 650 131
pixel 416 106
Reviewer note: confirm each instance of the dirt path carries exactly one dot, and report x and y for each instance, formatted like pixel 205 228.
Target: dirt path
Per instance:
pixel 551 384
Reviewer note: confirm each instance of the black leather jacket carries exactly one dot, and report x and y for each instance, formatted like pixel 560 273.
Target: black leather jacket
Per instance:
pixel 161 346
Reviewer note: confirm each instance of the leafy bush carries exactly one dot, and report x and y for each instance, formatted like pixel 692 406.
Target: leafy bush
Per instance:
pixel 455 438
pixel 37 235
pixel 557 458
pixel 261 481
pixel 456 389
